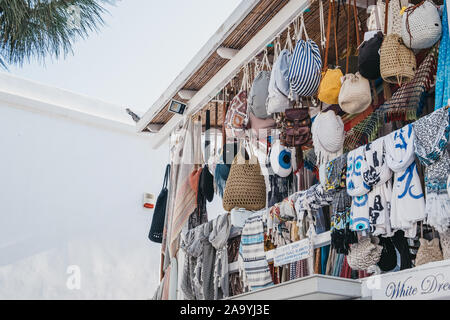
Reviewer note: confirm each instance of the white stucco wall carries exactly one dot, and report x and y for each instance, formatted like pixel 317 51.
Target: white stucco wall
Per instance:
pixel 70 194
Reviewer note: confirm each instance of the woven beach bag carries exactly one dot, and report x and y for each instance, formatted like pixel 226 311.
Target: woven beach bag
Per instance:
pixel 397 62
pixel 245 186
pixel 429 251
pixel 421 25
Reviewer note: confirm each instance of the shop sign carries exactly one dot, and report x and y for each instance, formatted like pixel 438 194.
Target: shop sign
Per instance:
pixel 293 252
pixel 413 285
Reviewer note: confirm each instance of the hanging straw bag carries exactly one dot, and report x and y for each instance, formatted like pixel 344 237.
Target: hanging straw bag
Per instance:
pixel 245 186
pixel 397 62
pixel 429 251
pixel 304 71
pixel 421 25
pixel 330 85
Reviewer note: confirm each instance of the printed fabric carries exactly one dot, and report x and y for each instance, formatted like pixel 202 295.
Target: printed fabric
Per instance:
pixel 407 202
pixel 431 139
pixel 358 189
pixel 442 89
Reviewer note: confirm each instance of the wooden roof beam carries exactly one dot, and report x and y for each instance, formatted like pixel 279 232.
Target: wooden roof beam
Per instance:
pixel 276 25
pixel 236 17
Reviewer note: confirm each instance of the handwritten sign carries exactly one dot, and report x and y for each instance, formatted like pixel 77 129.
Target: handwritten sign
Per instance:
pixel 292 252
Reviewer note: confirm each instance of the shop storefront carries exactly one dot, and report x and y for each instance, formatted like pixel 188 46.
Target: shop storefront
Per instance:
pixel 321 128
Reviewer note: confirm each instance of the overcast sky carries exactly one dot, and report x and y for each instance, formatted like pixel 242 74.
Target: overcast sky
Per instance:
pixel 140 51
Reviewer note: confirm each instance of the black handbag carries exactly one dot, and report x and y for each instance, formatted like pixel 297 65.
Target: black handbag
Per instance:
pixel 159 215
pixel 369 57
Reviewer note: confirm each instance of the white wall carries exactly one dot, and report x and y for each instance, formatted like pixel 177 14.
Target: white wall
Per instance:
pixel 70 194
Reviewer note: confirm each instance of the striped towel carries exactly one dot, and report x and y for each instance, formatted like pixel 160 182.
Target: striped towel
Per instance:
pixel 185 204
pixel 254 268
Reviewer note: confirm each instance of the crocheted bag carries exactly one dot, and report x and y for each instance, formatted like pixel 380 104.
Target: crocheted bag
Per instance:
pixel 397 62
pixel 445 243
pixel 364 254
pixel 421 25
pixel 245 186
pixel 429 251
pixel 236 119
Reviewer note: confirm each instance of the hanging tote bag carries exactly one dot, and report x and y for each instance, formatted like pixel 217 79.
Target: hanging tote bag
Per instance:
pixel 369 50
pixel 277 100
pixel 330 85
pixel 421 25
pixel 429 251
pixel 245 186
pixel 397 62
pixel 369 57
pixel 259 91
pixel 304 71
pixel 236 119
pixel 159 215
pixel 355 95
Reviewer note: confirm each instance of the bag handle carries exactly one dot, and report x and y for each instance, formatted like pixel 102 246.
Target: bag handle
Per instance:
pixel 350 7
pixel 327 47
pixel 355 11
pixel 377 16
pixel 336 27
pixel 323 39
pixel 265 61
pixel 276 48
pixel 386 10
pixel 288 45
pixel 300 28
pixel 166 177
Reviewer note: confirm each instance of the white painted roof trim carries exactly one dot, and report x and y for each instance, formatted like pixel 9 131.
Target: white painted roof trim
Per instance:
pixel 205 52
pixel 36 97
pixel 274 27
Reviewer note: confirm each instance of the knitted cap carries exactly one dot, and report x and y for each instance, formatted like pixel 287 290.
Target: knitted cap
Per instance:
pixel 328 136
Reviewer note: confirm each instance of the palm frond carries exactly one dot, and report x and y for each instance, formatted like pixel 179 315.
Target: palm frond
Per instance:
pixel 35 29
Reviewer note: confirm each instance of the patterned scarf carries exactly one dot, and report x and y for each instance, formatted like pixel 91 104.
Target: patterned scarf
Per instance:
pixel 355 182
pixel 376 175
pixel 407 201
pixel 432 136
pixel 253 265
pixel 443 71
pixel 358 189
pixel 375 171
